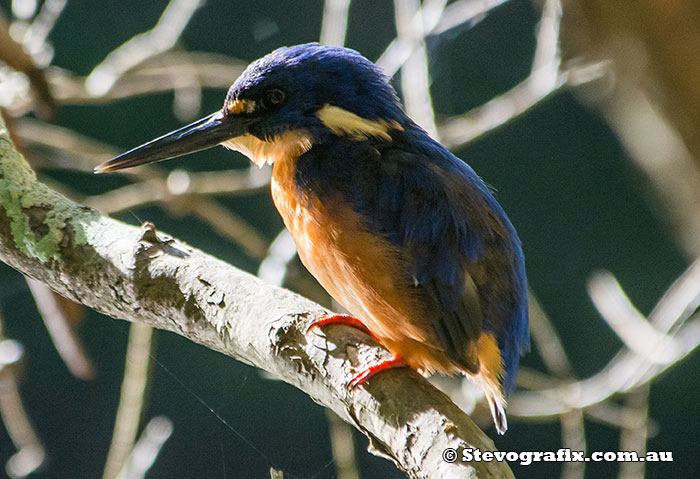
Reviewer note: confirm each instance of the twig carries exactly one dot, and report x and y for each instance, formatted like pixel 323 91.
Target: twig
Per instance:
pixel 545 79
pixel 145 452
pixel 62 333
pixel 231 226
pixel 547 340
pixel 497 112
pixel 282 250
pixel 126 424
pixel 160 38
pixel 573 434
pixel 628 323
pixel 463 11
pixel 634 434
pixel 660 152
pixel 343 447
pixel 627 370
pixel 35 36
pixel 177 183
pixel 187 97
pixel 335 22
pixel 415 81
pixel 30 453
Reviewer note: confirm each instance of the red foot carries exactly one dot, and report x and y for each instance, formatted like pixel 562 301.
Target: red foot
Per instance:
pixel 395 362
pixel 326 319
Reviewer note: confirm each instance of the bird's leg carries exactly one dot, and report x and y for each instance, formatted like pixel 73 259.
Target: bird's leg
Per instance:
pixel 383 365
pixel 347 320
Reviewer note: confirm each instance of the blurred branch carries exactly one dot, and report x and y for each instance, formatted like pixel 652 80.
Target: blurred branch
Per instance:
pixel 653 48
pixel 635 431
pixel 60 327
pixel 134 388
pixel 545 79
pixel 282 250
pixel 343 447
pixel 180 183
pixel 230 225
pixel 145 452
pixel 628 323
pixel 30 453
pixel 160 38
pixel 335 22
pixel 677 334
pixel 652 96
pixel 34 40
pixel 167 71
pixel 135 274
pixel 548 343
pixel 459 13
pixel 180 192
pixel 657 149
pixel 415 77
pixel 14 55
pixel 573 434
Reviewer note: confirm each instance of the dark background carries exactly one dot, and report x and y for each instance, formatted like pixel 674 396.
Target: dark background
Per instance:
pixel 579 205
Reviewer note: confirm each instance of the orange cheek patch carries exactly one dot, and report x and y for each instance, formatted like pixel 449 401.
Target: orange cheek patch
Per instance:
pixel 236 107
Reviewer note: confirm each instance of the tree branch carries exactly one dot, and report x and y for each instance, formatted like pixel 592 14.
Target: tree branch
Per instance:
pixel 143 276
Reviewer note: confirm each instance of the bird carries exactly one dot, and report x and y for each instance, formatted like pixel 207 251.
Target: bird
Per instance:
pixel 397 229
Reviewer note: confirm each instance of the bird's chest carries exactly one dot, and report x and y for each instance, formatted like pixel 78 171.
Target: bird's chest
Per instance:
pixel 316 231
pixel 331 240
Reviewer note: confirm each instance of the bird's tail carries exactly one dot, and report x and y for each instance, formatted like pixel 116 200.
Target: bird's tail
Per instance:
pixel 490 376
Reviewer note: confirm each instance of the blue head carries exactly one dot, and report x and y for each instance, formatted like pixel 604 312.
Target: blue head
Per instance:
pixel 288 88
pixel 288 100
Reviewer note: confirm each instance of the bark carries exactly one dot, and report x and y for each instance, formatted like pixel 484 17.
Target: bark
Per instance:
pixel 140 275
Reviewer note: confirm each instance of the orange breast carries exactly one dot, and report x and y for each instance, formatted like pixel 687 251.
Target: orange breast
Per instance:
pixel 360 270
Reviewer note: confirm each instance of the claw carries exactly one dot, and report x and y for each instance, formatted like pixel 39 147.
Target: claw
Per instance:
pixel 360 378
pixel 347 320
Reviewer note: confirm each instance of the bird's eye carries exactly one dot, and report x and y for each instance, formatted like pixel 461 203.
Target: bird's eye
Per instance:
pixel 273 97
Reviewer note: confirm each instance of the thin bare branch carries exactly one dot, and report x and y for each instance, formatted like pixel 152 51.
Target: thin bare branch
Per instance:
pixel 62 334
pixel 573 434
pixel 335 22
pixel 145 452
pixel 549 345
pixel 634 434
pixel 415 77
pixel 627 370
pixel 30 453
pixel 463 11
pixel 231 226
pixel 180 183
pixel 282 250
pixel 628 323
pixel 659 151
pixel 131 400
pixel 343 447
pixel 160 38
pixel 35 37
pixel 545 79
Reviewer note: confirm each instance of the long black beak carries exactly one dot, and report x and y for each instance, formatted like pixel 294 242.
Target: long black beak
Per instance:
pixel 200 135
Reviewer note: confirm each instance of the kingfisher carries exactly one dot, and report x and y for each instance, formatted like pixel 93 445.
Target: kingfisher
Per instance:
pixel 397 229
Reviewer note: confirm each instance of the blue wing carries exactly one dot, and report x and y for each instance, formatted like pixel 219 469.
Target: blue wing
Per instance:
pixel 459 250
